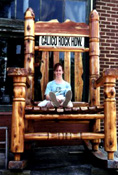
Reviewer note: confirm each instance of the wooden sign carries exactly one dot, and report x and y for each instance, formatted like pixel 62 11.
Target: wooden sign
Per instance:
pixel 61 41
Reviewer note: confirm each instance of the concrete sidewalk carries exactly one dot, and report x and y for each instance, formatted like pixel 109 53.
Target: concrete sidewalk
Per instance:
pixel 60 160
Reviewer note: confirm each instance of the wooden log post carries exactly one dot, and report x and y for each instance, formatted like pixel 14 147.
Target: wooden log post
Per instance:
pixel 45 72
pixel 55 58
pixel 67 67
pixel 110 116
pixel 18 112
pixel 94 67
pixel 78 72
pixel 29 52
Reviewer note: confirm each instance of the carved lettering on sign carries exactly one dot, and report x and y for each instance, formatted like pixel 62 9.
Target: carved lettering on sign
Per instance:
pixel 61 41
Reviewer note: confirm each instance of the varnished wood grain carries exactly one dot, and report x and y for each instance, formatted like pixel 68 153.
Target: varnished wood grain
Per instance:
pixel 67 67
pixel 63 116
pixel 78 67
pixel 44 72
pixel 29 51
pixel 62 136
pixel 61 49
pixel 67 28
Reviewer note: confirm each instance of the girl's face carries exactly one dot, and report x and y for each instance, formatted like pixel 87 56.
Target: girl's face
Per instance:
pixel 58 72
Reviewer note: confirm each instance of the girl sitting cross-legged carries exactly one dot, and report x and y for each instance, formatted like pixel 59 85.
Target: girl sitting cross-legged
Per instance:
pixel 58 91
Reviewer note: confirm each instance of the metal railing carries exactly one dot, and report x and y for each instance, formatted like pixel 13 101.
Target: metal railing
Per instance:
pixel 5 142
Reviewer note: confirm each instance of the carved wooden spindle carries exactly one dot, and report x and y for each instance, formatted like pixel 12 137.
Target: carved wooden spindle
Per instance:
pixel 94 67
pixel 18 111
pixel 110 116
pixel 29 51
pixel 62 136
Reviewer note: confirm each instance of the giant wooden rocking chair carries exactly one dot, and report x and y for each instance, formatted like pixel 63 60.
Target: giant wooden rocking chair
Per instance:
pixel 24 110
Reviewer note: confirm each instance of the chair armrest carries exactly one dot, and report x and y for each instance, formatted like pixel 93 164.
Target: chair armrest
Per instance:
pixel 21 72
pixel 113 73
pixel 13 72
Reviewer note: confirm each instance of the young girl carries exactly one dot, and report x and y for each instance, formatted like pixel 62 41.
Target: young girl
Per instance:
pixel 58 92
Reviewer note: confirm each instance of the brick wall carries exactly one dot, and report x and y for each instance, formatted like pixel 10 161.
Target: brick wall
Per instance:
pixel 108 12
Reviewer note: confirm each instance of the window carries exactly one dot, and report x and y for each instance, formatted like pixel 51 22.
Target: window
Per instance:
pixel 76 10
pixel 12 31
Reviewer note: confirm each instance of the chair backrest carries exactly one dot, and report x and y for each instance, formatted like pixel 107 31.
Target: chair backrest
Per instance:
pixel 64 37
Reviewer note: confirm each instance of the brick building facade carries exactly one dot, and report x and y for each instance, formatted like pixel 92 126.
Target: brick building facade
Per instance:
pixel 108 13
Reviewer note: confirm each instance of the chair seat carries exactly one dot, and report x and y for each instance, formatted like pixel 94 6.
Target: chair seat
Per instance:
pixel 78 108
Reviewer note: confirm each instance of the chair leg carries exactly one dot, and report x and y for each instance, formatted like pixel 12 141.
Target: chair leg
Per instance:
pixel 110 117
pixel 95 125
pixel 17 157
pixel 18 112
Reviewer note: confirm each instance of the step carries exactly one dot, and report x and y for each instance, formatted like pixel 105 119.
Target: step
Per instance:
pixel 61 117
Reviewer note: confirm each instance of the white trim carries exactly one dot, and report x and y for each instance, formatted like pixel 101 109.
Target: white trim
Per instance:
pixel 91 5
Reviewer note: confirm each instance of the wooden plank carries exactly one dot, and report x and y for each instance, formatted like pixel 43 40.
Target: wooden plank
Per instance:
pixel 83 109
pixel 55 58
pixel 78 71
pixel 67 28
pixel 67 67
pixel 45 72
pixel 62 136
pixel 63 116
pixel 64 49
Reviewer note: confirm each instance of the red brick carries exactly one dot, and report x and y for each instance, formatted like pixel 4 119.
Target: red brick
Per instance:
pixel 111 4
pixel 105 59
pixel 110 26
pixel 110 48
pixel 104 51
pixel 112 12
pixel 110 34
pixel 110 63
pixel 115 23
pixel 114 16
pixel 115 66
pixel 104 66
pixel 102 11
pixel 102 18
pixel 114 1
pixel 115 51
pixel 106 30
pixel 100 3
pixel 110 19
pixel 105 15
pixel 115 45
pixel 105 8
pixel 114 30
pixel 111 55
pixel 115 9
pixel 106 44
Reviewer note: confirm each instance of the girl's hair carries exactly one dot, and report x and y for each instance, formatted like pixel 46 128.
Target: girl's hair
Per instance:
pixel 57 65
